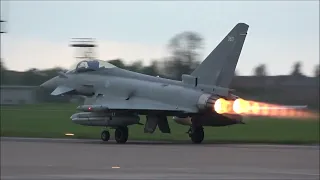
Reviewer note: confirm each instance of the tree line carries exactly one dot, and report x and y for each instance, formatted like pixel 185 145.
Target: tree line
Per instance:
pixel 184 57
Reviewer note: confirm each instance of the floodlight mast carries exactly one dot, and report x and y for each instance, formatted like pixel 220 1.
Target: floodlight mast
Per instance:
pixel 2 25
pixel 85 48
pixel 2 22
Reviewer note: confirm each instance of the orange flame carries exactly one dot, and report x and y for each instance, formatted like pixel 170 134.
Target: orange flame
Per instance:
pixel 222 106
pixel 249 108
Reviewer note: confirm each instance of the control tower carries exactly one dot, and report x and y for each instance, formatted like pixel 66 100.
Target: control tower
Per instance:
pixel 85 48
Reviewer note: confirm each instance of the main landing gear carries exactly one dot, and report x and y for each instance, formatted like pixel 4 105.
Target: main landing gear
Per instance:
pixel 196 134
pixel 120 135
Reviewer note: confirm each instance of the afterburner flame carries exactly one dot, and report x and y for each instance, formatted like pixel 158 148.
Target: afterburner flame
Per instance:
pixel 245 107
pixel 254 108
pixel 222 106
pixel 218 106
pixel 240 106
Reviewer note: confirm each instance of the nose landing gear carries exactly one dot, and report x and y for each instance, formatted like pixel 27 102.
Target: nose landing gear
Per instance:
pixel 105 135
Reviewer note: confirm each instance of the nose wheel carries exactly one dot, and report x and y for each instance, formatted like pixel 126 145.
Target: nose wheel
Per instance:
pixel 105 135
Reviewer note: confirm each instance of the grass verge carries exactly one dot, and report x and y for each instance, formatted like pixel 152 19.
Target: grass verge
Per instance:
pixel 53 121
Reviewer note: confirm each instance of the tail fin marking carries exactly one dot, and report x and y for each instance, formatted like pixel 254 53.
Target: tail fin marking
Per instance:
pixel 219 66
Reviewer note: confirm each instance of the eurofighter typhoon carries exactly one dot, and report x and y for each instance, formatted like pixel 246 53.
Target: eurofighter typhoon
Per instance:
pixel 116 98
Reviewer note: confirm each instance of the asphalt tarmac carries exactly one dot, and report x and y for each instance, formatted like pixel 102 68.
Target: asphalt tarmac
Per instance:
pixel 42 159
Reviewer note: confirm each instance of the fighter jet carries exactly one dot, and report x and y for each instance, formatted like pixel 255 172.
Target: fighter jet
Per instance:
pixel 116 98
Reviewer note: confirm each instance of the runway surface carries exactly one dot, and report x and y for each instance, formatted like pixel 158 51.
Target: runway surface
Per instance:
pixel 42 159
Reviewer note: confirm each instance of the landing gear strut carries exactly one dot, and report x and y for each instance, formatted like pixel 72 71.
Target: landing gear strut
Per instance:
pixel 196 134
pixel 121 134
pixel 105 135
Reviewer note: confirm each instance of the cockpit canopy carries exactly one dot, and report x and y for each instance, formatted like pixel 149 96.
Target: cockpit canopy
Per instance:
pixel 90 65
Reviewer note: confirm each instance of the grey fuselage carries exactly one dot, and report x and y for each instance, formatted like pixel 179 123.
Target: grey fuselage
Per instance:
pixel 119 84
pixel 115 90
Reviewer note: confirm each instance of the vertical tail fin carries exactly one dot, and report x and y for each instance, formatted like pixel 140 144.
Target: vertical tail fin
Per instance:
pixel 219 66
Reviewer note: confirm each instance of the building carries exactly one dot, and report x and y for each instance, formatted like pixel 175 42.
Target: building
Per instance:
pixel 14 95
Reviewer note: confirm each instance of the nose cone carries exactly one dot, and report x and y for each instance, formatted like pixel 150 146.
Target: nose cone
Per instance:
pixel 50 84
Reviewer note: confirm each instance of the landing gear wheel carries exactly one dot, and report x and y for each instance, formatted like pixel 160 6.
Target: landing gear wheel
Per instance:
pixel 197 135
pixel 121 134
pixel 105 135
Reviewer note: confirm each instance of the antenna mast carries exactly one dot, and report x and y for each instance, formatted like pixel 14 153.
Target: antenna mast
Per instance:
pixel 2 25
pixel 2 31
pixel 85 48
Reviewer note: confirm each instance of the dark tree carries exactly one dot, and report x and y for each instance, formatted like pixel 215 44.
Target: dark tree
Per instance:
pixel 152 69
pixel 296 71
pixel 136 66
pixel 317 71
pixel 184 48
pixel 117 62
pixel 260 70
pixel 2 67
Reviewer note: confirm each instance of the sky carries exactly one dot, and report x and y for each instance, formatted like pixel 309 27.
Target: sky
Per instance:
pixel 39 32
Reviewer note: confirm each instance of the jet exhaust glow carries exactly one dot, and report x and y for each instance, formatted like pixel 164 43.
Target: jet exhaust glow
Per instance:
pixel 222 106
pixel 254 108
